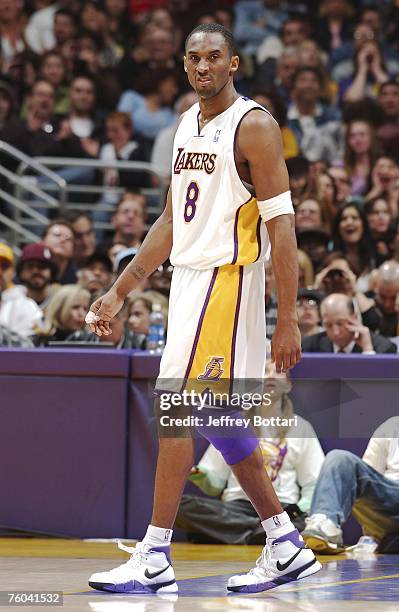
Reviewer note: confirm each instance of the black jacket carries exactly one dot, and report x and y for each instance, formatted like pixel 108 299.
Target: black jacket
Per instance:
pixel 320 343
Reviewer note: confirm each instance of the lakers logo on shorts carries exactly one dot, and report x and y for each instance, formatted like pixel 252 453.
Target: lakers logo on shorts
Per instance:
pixel 213 369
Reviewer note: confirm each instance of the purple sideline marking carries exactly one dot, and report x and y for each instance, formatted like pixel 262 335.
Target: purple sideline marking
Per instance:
pixel 233 343
pixel 199 326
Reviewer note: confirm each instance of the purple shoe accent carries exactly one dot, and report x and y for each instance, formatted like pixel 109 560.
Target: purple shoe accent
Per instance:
pixel 132 587
pixel 271 584
pixel 164 549
pixel 292 536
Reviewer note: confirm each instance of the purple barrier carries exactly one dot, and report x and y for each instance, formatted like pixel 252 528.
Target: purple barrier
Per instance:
pixel 63 441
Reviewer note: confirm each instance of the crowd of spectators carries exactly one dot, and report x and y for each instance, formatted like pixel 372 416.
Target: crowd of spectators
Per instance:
pixel 103 79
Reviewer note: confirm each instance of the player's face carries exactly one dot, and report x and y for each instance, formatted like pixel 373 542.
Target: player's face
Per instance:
pixel 208 63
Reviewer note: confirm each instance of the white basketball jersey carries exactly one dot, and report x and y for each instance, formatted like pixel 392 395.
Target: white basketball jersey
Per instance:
pixel 215 218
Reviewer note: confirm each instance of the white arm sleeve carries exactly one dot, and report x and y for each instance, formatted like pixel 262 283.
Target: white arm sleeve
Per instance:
pixel 279 205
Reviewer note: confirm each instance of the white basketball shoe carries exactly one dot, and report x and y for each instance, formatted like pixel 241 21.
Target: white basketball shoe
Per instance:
pixel 282 560
pixel 148 571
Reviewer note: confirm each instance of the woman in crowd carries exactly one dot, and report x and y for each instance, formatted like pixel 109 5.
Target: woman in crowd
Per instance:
pixel 351 237
pixel 361 153
pixel 306 273
pixel 378 219
pixel 52 69
pixel 327 196
pixel 65 314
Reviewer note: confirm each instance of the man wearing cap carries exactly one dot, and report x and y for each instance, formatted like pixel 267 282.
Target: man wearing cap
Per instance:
pixel 96 274
pixel 308 309
pixel 37 272
pixel 18 313
pixel 315 244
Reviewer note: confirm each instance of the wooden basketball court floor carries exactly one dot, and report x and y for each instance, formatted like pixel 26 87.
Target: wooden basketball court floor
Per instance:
pixel 345 582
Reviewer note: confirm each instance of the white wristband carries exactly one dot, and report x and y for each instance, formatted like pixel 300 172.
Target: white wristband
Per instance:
pixel 279 205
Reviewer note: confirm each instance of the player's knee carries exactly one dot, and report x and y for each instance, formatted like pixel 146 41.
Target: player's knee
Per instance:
pixel 236 449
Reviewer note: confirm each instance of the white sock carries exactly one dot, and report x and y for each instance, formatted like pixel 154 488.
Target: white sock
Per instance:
pixel 157 536
pixel 278 525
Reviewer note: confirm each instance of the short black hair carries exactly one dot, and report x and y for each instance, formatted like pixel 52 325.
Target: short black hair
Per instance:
pixel 315 71
pixel 215 28
pixel 389 83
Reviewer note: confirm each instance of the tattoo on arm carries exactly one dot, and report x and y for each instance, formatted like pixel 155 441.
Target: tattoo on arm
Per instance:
pixel 137 272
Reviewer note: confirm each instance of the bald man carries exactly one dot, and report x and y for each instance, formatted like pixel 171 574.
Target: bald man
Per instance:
pixel 386 291
pixel 344 332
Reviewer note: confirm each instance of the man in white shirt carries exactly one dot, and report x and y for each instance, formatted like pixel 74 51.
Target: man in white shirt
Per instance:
pixel 292 457
pixel 18 313
pixel 368 487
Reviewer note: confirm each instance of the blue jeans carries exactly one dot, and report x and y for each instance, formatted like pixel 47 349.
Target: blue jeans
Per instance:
pixel 347 484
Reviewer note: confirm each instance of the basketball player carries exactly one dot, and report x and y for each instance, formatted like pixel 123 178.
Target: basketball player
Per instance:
pixel 228 175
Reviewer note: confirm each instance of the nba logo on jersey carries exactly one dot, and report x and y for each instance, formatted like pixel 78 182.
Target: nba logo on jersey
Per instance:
pixel 276 521
pixel 213 369
pixel 216 136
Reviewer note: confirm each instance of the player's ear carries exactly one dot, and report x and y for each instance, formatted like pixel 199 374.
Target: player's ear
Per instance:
pixel 234 63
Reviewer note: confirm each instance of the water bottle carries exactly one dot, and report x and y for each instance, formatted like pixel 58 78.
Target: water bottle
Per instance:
pixel 156 331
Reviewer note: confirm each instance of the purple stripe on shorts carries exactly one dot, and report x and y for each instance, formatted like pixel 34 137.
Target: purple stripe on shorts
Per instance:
pixel 201 320
pixel 233 342
pixel 258 237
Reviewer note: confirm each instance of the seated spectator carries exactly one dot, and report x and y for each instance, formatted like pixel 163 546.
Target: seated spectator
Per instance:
pixel 7 103
pixel 122 259
pixel 64 27
pixel 306 274
pixel 162 151
pixel 120 337
pixel 361 152
pixel 81 120
pixel 386 290
pixel 369 74
pixel 301 180
pixel 52 70
pixel 340 176
pixel 114 249
pixel 334 26
pixel 368 488
pixel 337 277
pixel 351 237
pixel 95 274
pixel 292 458
pixel 151 109
pixel 18 313
pixel 310 54
pixel 327 196
pixel 160 280
pixel 85 237
pixel 12 24
pixel 121 146
pixel 270 100
pixel 59 238
pixel 308 310
pixel 37 272
pixel 342 58
pixel 292 33
pixel 314 242
pixel 129 219
pixel 256 20
pixel 139 310
pixel 388 132
pixel 279 75
pixel 385 183
pixel 308 215
pixel 344 332
pixel 378 219
pixel 65 314
pixel 316 125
